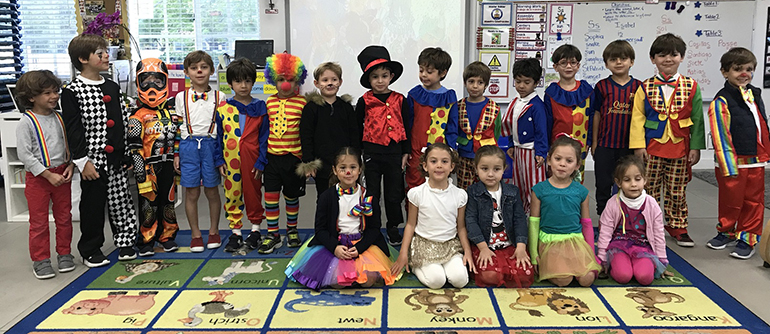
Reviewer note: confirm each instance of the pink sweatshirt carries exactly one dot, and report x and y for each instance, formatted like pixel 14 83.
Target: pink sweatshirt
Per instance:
pixel 653 217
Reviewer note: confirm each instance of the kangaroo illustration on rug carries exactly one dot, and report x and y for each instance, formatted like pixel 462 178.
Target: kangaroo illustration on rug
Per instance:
pixel 237 267
pixel 144 267
pixel 554 298
pixel 218 305
pixel 116 303
pixel 443 305
pixel 329 298
pixel 648 297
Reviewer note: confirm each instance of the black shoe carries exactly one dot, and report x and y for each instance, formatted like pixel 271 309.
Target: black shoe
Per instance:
pixel 126 253
pixel 394 237
pixel 96 260
pixel 292 238
pixel 270 243
pixel 169 246
pixel 146 250
pixel 254 239
pixel 234 243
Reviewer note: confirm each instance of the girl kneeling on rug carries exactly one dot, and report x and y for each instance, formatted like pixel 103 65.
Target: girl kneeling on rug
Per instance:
pixel 435 243
pixel 348 247
pixel 560 229
pixel 632 241
pixel 497 225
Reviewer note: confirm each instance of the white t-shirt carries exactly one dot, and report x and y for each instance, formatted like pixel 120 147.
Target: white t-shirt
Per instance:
pixel 345 223
pixel 498 237
pixel 437 210
pixel 201 112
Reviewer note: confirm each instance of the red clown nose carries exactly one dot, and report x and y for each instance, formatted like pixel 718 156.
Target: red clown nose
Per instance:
pixel 285 86
pixel 107 99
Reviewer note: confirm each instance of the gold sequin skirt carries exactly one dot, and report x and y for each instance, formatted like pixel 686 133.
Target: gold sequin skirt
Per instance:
pixel 423 251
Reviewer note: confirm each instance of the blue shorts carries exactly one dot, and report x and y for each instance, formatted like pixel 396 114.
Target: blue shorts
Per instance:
pixel 197 164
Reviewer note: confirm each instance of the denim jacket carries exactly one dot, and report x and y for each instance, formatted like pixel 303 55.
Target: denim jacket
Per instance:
pixel 478 214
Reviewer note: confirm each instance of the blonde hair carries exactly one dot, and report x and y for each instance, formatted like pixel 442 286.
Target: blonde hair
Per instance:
pixel 331 66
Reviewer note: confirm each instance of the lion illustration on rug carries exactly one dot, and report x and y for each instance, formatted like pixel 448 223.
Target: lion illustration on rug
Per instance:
pixel 443 305
pixel 553 298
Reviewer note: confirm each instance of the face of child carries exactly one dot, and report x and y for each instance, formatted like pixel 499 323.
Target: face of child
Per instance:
pixel 438 164
pixel 380 79
pixel 619 66
pixel 524 85
pixel 667 64
pixel 199 74
pixel 567 68
pixel 739 75
pixel 347 171
pixel 475 87
pixel 153 80
pixel 242 88
pixel 563 162
pixel 632 183
pixel 286 86
pixel 45 101
pixel 99 60
pixel 328 83
pixel 490 171
pixel 431 77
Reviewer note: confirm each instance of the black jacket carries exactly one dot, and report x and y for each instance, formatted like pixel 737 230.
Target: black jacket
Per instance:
pixel 324 129
pixel 742 126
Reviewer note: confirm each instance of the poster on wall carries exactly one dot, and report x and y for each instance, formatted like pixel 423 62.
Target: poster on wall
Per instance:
pixel 553 43
pixel 498 87
pixel 498 62
pixel 561 19
pixel 496 14
pixel 494 38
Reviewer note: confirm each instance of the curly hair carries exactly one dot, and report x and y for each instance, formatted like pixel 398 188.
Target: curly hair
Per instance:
pixel 286 65
pixel 32 84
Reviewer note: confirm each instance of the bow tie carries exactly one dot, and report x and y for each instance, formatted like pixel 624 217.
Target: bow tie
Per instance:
pixel 661 80
pixel 201 96
pixel 748 96
pixel 363 208
pixel 347 191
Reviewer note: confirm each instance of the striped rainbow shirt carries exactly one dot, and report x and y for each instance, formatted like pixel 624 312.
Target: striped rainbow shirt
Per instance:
pixel 284 116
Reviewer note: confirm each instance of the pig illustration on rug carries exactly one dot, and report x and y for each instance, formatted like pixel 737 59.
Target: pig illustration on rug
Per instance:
pixel 116 303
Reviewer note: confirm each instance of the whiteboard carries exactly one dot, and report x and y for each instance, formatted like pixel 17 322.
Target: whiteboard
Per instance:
pixel 338 30
pixel 708 30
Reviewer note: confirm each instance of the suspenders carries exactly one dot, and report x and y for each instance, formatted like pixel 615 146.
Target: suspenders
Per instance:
pixel 41 138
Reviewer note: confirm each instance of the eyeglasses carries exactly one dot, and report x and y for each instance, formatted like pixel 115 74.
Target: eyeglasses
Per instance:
pixel 565 63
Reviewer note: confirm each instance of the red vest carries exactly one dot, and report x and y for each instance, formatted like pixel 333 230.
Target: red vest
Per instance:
pixel 383 121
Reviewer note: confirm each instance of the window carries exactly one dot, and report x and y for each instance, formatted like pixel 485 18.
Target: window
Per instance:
pixel 48 28
pixel 170 29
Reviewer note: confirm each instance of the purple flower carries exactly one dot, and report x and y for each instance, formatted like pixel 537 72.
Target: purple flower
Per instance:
pixel 103 22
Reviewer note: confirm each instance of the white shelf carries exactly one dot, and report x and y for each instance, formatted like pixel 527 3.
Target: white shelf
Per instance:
pixel 16 163
pixel 18 186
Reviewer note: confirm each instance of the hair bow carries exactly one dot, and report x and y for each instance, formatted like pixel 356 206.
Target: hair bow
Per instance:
pixel 362 208
pixel 564 134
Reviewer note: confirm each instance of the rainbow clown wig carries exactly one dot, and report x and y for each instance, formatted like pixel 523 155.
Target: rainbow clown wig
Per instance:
pixel 287 65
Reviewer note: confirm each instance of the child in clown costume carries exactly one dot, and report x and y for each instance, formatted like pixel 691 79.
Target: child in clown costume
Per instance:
pixel 153 141
pixel 284 170
pixel 432 111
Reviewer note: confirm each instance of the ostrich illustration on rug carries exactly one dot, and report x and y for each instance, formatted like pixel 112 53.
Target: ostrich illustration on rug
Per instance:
pixel 218 305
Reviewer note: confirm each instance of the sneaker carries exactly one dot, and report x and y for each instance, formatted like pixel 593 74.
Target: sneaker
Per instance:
pixel 146 250
pixel 292 237
pixel 169 246
pixel 742 251
pixel 96 260
pixel 126 253
pixel 214 241
pixel 196 245
pixel 270 243
pixel 719 242
pixel 394 237
pixel 66 263
pixel 42 269
pixel 684 240
pixel 254 239
pixel 234 243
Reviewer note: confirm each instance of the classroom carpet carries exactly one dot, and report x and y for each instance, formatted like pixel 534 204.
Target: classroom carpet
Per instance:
pixel 227 293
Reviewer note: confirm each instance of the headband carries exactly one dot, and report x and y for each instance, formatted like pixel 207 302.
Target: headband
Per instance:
pixel 564 134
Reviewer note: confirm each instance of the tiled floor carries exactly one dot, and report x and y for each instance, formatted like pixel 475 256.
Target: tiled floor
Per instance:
pixel 747 281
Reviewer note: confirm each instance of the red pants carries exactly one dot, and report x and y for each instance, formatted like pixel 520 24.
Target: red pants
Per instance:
pixel 742 204
pixel 40 193
pixel 252 189
pixel 414 175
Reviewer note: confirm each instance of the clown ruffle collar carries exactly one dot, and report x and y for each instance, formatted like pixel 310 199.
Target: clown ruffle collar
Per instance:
pixel 426 98
pixel 255 108
pixel 571 98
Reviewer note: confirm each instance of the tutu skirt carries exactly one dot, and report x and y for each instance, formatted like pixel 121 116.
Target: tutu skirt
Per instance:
pixel 425 251
pixel 504 266
pixel 316 267
pixel 635 251
pixel 565 255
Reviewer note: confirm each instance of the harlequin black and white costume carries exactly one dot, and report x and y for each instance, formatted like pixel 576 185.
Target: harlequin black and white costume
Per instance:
pixel 96 131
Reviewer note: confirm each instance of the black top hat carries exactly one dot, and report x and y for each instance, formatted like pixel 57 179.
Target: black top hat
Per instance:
pixel 371 57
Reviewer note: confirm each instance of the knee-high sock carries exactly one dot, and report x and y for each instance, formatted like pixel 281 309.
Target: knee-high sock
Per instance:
pixel 272 211
pixel 588 234
pixel 292 211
